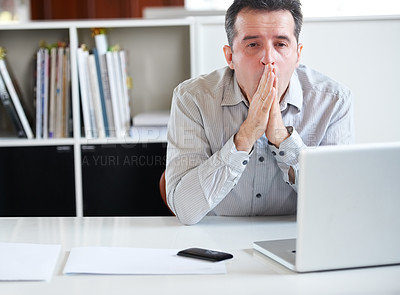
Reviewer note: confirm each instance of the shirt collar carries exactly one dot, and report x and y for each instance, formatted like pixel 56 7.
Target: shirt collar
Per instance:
pixel 294 94
pixel 233 94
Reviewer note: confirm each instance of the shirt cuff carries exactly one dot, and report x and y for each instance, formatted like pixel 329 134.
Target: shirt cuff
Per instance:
pixel 289 150
pixel 235 159
pixel 288 153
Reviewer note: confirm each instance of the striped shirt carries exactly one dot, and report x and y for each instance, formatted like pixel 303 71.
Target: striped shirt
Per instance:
pixel 206 175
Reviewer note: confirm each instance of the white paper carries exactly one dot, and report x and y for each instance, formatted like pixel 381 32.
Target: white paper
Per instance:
pixel 136 261
pixel 28 262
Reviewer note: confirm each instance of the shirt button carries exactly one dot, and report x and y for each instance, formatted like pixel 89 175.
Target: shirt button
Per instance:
pixel 244 162
pixel 261 159
pixel 258 196
pixel 281 153
pixel 273 153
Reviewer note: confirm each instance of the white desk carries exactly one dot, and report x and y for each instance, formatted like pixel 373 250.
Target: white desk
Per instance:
pixel 247 273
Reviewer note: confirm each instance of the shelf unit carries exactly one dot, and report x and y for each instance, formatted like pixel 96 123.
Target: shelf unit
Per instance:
pixel 160 56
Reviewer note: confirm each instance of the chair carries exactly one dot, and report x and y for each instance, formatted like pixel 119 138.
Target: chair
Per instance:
pixel 163 192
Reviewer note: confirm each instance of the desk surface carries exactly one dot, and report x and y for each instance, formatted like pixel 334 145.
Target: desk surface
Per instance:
pixel 248 273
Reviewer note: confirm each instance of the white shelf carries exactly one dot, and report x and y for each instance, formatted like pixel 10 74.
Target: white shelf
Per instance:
pixel 160 56
pixel 4 142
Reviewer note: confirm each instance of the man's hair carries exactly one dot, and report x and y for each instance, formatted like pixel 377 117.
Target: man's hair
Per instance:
pixel 293 6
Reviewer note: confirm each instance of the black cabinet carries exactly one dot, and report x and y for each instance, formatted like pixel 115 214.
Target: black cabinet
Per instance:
pixel 37 181
pixel 123 179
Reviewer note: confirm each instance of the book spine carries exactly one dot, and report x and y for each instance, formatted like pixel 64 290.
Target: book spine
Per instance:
pixel 44 91
pixel 87 100
pixel 114 94
pixel 15 99
pixel 121 98
pixel 101 92
pixel 9 106
pixel 52 96
pixel 107 95
pixel 65 93
pixel 83 86
pixel 68 104
pixel 94 84
pixel 125 91
pixel 59 91
pixel 92 115
pixel 83 92
pixel 39 117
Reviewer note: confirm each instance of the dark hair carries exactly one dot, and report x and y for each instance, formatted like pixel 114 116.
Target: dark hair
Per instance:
pixel 293 6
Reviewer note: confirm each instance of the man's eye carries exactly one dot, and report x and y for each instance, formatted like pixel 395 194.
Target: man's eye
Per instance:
pixel 281 44
pixel 251 45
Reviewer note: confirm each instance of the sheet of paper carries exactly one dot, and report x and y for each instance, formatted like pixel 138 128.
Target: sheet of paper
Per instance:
pixel 136 261
pixel 28 262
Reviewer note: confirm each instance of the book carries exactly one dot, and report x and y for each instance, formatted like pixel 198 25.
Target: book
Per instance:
pixel 120 92
pixel 111 70
pixel 9 107
pixel 85 94
pixel 52 93
pixel 59 91
pixel 38 105
pixel 13 90
pixel 101 92
pixel 44 96
pixel 107 95
pixel 66 99
pixel 100 38
pixel 126 84
pixel 97 105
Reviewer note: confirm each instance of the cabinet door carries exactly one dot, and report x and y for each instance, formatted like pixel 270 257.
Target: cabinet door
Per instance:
pixel 123 179
pixel 37 181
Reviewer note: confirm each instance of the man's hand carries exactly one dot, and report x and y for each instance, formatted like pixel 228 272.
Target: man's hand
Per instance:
pixel 264 114
pixel 276 131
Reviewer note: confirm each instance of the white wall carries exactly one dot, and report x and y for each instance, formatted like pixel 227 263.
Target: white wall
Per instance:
pixel 362 53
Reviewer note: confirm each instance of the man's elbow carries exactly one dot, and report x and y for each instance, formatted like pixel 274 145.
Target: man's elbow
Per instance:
pixel 188 219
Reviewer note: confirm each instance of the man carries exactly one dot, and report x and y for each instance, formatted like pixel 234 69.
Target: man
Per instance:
pixel 235 135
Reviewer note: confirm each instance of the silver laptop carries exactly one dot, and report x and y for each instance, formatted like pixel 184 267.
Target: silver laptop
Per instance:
pixel 348 212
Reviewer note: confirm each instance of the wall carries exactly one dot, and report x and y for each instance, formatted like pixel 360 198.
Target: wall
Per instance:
pixel 362 53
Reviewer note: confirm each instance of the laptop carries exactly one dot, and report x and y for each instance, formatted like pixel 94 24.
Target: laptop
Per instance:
pixel 348 210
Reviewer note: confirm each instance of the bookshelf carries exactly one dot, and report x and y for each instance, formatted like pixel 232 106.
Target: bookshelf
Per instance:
pixel 160 56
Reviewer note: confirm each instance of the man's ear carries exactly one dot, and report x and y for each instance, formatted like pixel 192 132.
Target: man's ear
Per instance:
pixel 228 56
pixel 299 50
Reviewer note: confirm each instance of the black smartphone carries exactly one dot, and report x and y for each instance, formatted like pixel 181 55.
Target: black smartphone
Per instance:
pixel 205 254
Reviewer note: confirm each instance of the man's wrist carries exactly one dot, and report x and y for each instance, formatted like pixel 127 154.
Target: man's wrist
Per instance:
pixel 242 142
pixel 281 135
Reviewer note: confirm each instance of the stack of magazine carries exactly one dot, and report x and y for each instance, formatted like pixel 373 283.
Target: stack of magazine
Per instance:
pixel 52 91
pixel 104 88
pixel 11 98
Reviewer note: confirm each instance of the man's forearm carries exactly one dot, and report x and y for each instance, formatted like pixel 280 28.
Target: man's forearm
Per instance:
pixel 194 189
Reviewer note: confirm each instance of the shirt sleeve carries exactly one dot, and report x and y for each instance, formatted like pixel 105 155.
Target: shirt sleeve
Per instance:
pixel 197 180
pixel 288 154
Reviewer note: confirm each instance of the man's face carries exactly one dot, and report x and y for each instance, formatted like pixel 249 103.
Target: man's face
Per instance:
pixel 263 38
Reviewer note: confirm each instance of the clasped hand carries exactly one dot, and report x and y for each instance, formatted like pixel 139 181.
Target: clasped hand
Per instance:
pixel 264 116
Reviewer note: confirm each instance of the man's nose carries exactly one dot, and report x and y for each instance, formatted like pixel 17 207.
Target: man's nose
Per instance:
pixel 268 56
